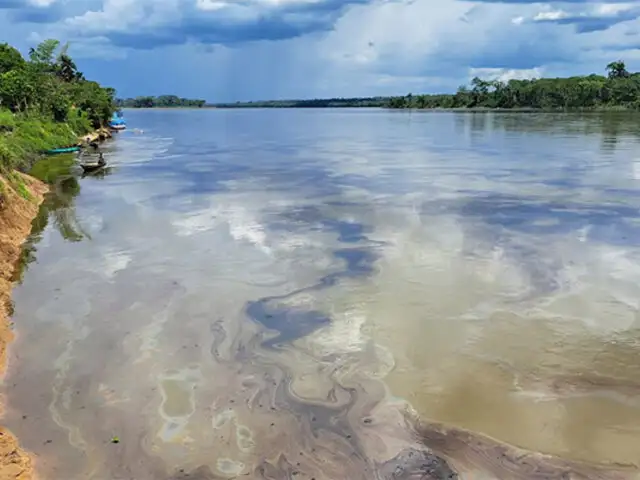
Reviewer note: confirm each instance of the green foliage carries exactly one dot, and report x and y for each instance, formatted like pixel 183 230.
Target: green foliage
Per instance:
pixel 30 136
pixel 10 58
pixel 78 121
pixel 163 101
pixel 43 54
pixel 17 89
pixel 18 185
pixel 7 121
pixel 66 69
pixel 97 102
pixel 617 69
pixel 45 102
pixel 620 89
pixel 50 84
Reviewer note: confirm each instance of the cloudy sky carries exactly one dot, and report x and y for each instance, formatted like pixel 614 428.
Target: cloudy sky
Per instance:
pixel 224 50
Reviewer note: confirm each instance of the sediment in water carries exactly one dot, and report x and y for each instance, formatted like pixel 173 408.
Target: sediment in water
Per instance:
pixel 473 455
pixel 17 210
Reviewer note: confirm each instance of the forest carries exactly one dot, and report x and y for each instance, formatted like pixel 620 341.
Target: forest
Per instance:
pixel 312 103
pixel 46 102
pixel 619 89
pixel 163 101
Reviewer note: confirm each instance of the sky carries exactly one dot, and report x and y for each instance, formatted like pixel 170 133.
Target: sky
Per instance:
pixel 229 50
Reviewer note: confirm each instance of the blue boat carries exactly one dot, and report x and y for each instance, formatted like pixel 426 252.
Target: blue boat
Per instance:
pixel 117 122
pixel 55 151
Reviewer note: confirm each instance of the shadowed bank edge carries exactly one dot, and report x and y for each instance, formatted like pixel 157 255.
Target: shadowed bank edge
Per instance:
pixel 16 214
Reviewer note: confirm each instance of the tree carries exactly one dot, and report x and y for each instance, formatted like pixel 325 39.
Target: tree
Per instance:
pixel 10 58
pixel 144 102
pixel 95 101
pixel 620 88
pixel 165 101
pixel 17 90
pixel 617 69
pixel 66 69
pixel 480 87
pixel 43 54
pixel 45 102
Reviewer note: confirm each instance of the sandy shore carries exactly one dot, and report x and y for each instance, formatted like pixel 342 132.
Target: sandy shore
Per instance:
pixel 16 215
pixel 99 135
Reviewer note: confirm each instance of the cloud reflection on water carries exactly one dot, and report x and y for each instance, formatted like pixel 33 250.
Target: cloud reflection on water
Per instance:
pixel 448 255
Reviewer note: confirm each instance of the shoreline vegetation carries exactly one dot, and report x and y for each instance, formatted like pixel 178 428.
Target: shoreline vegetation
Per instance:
pixel 618 90
pixel 163 101
pixel 45 103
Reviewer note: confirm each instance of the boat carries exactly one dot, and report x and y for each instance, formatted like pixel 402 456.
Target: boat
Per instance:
pixel 92 167
pixel 117 122
pixel 56 151
pixel 99 173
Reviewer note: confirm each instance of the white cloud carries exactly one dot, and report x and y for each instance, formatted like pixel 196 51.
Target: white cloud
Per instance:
pixel 550 15
pixel 41 3
pixel 505 74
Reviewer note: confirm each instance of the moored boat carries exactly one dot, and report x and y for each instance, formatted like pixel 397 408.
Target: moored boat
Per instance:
pixel 55 151
pixel 92 167
pixel 117 122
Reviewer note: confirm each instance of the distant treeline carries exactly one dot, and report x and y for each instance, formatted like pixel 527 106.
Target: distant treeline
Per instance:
pixel 314 103
pixel 163 101
pixel 619 89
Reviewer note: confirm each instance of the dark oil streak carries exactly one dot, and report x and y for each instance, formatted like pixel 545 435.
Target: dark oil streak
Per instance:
pixel 293 323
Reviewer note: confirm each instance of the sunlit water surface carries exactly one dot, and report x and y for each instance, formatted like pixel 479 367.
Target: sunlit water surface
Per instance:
pixel 280 293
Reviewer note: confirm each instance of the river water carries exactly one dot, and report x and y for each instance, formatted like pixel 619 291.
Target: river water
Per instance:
pixel 337 294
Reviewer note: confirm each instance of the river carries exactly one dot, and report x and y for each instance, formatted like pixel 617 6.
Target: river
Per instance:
pixel 318 294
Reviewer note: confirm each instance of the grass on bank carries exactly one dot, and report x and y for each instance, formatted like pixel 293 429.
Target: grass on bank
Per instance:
pixel 17 183
pixel 23 138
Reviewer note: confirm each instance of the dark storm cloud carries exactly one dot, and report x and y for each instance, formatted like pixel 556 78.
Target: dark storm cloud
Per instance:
pixel 190 23
pixel 26 12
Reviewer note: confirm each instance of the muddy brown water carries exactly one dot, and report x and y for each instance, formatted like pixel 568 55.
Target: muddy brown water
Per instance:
pixel 337 294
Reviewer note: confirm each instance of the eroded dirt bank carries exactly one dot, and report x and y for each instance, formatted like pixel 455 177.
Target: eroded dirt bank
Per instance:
pixel 16 213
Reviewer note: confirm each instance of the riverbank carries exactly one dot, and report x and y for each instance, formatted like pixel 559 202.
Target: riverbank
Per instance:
pixel 99 135
pixel 20 198
pixel 24 138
